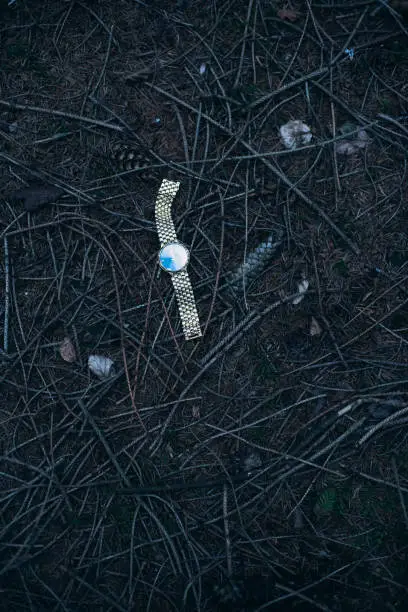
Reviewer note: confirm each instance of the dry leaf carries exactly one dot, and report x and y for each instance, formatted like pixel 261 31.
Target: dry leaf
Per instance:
pixel 295 134
pixel 37 195
pixel 359 139
pixel 8 127
pixel 101 366
pixel 287 15
pixel 252 462
pixel 303 286
pixel 67 350
pixel 315 329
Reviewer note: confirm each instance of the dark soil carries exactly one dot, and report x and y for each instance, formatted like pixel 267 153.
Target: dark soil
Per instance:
pixel 265 466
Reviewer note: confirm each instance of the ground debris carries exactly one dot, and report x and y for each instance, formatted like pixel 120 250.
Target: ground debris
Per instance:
pixel 303 286
pixel 67 350
pixel 248 469
pixel 348 146
pixel 295 134
pixel 102 367
pixel 288 14
pixel 37 195
pixel 5 126
pixel 315 329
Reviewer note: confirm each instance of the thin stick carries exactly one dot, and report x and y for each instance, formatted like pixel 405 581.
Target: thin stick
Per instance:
pixel 403 506
pixel 230 340
pixel 299 595
pixel 393 121
pixel 350 38
pixel 6 295
pixel 294 83
pixel 105 63
pixel 336 169
pixel 57 113
pixel 387 421
pixel 47 177
pixel 226 531
pixel 99 20
pixel 122 342
pixel 241 59
pixel 269 165
pixel 333 339
pixel 88 416
pixel 387 483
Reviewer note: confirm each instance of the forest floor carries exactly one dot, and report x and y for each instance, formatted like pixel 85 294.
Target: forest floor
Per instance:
pixel 265 465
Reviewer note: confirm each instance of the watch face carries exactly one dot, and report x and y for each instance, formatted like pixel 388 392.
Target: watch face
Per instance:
pixel 173 257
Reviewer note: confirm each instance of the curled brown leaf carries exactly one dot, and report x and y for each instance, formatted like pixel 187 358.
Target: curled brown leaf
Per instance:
pixel 287 14
pixel 67 350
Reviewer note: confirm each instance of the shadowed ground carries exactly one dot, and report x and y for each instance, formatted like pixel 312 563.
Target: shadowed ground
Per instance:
pixel 265 466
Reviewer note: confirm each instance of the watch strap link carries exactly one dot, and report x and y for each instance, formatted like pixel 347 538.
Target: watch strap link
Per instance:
pixel 186 302
pixel 164 222
pixel 181 280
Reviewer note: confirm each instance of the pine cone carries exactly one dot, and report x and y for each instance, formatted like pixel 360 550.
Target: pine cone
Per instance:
pixel 125 157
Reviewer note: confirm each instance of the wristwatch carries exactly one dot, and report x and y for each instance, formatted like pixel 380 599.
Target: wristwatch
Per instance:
pixel 174 257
